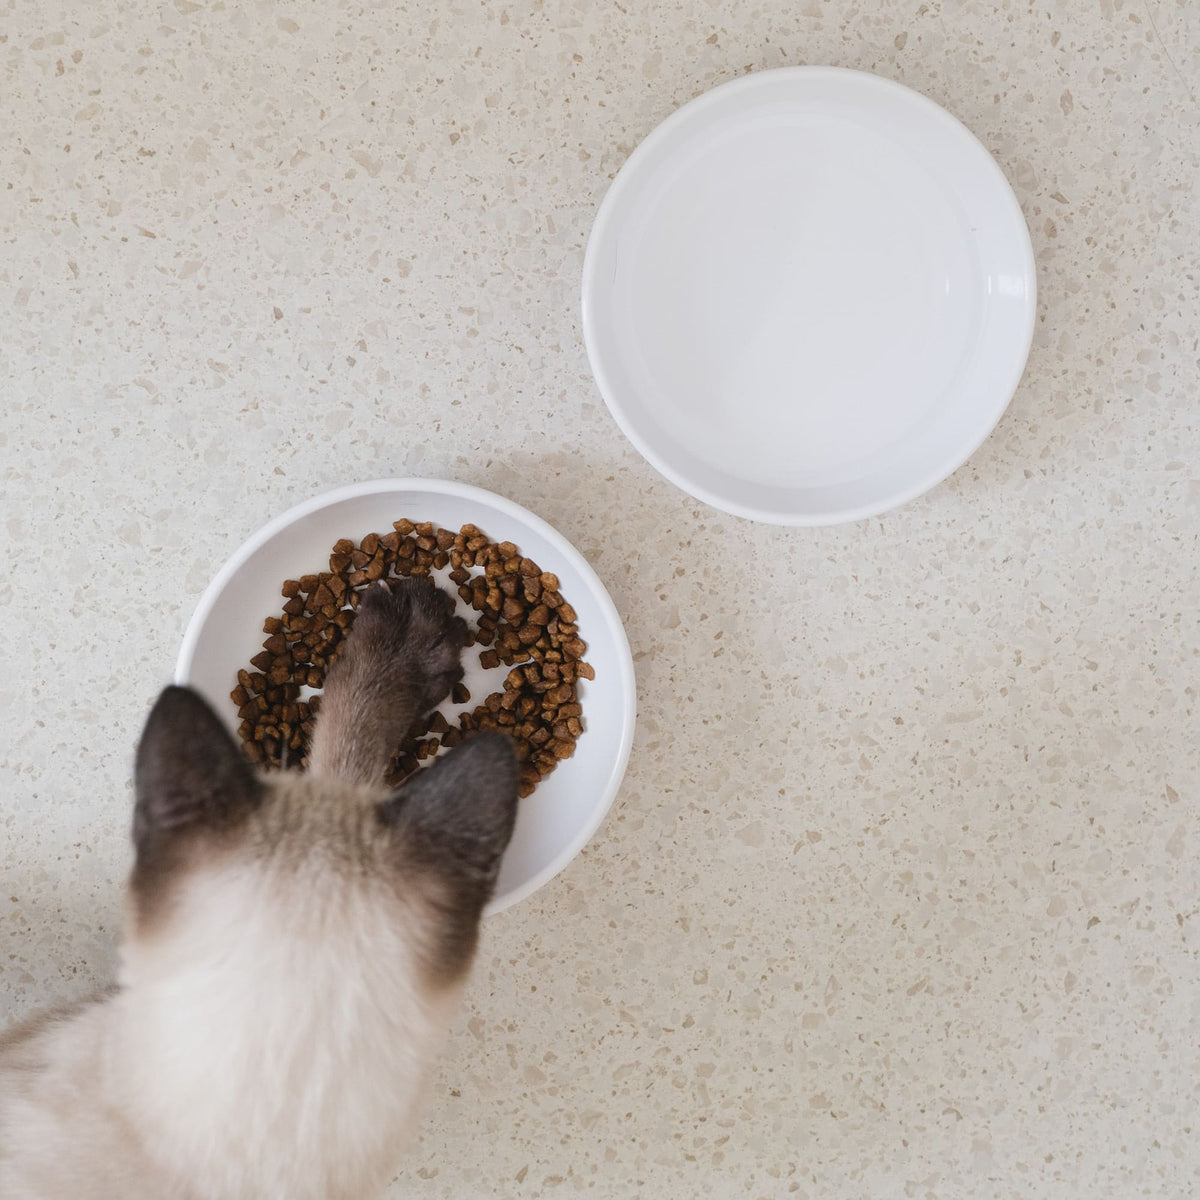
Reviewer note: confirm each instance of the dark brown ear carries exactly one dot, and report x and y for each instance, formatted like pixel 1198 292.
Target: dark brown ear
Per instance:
pixel 454 819
pixel 190 774
pixel 462 809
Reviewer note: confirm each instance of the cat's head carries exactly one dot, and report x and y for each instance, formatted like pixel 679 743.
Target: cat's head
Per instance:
pixel 308 875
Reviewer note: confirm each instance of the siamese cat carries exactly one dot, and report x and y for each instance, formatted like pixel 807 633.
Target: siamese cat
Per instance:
pixel 294 947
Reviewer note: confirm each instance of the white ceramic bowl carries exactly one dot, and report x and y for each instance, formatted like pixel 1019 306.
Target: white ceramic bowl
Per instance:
pixel 808 296
pixel 562 814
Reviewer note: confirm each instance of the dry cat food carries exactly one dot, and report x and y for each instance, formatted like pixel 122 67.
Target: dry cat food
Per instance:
pixel 524 623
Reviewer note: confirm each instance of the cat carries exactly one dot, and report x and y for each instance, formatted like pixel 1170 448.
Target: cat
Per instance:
pixel 294 947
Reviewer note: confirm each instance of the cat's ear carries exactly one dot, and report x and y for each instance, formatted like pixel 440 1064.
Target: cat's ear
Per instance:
pixel 461 810
pixel 190 774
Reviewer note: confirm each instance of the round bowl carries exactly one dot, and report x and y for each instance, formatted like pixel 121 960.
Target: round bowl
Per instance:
pixel 808 296
pixel 564 811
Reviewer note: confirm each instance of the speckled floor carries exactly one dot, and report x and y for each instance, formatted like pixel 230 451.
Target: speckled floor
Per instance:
pixel 900 897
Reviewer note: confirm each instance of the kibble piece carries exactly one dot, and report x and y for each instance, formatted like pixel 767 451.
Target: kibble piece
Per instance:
pixel 459 693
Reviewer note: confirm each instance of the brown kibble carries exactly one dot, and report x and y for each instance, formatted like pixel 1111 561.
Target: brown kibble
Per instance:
pixel 521 619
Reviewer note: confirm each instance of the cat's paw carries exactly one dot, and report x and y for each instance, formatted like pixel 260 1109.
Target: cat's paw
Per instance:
pixel 409 626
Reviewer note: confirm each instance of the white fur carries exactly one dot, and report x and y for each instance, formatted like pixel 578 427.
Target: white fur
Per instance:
pixel 272 1039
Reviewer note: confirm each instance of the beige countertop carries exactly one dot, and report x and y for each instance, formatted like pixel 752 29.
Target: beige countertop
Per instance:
pixel 900 896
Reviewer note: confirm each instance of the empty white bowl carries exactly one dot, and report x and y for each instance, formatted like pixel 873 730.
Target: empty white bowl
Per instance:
pixel 808 296
pixel 562 814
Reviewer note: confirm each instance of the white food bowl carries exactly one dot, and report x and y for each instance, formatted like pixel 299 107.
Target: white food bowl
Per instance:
pixel 808 296
pixel 555 822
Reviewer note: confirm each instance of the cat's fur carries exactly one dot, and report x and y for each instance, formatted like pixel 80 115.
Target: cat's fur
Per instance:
pixel 294 948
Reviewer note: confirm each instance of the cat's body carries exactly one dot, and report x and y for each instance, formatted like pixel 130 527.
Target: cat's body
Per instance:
pixel 294 951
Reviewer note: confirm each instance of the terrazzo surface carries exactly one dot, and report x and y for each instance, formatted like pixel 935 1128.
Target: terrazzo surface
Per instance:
pixel 900 895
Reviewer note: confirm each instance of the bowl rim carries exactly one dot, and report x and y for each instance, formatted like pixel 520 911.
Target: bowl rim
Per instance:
pixel 590 283
pixel 624 666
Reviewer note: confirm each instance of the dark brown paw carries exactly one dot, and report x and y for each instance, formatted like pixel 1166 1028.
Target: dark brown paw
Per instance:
pixel 409 627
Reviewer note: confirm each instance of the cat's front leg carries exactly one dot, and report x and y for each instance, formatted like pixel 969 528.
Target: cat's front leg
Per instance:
pixel 401 658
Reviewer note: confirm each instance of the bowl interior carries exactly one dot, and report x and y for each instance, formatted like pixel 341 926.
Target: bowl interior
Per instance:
pixel 563 812
pixel 808 295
